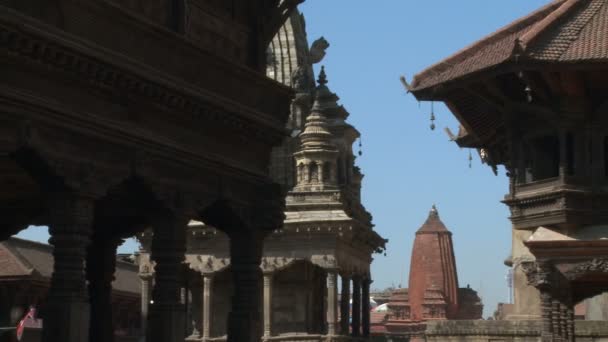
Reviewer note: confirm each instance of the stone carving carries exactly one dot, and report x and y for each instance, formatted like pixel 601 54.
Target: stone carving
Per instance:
pixel 317 50
pixel 273 264
pixel 539 274
pixel 300 79
pixel 328 262
pixel 207 264
pixel 592 266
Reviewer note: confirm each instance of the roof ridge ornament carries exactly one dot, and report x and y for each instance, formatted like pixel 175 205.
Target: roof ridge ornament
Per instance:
pixel 322 77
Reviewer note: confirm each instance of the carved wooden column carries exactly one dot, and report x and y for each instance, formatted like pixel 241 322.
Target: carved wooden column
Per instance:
pixel 101 265
pixel 166 317
pixel 332 302
pixel 245 256
pixel 345 306
pixel 66 315
pixel 356 308
pixel 365 307
pixel 546 313
pixel 206 312
pixel 267 305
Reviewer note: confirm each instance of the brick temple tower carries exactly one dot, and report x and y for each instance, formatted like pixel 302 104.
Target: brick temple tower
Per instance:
pixel 433 281
pixel 433 292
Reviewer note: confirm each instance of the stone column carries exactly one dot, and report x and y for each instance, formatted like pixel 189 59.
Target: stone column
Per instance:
pixel 245 258
pixel 206 312
pixel 267 305
pixel 146 278
pixel 356 309
pixel 166 317
pixel 66 314
pixel 365 307
pixel 101 265
pixel 332 302
pixel 345 306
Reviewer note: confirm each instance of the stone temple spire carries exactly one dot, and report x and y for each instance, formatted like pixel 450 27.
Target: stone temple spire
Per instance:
pixel 316 162
pixel 433 271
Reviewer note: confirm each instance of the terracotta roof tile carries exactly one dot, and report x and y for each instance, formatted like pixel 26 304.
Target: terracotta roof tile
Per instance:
pixel 562 31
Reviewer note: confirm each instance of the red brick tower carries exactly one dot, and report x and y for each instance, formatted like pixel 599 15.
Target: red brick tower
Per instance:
pixel 433 281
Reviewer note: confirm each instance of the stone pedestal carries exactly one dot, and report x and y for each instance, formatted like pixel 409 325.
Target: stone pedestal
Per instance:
pixel 66 314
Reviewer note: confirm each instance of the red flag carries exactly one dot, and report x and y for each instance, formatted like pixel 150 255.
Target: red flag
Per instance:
pixel 31 314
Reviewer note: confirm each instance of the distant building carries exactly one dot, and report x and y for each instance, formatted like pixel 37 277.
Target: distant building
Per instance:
pixel 433 292
pixel 25 274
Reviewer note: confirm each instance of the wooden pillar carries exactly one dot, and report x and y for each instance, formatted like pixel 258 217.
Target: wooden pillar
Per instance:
pixel 66 314
pixel 207 312
pixel 356 309
pixel 245 256
pixel 101 265
pixel 332 302
pixel 268 277
pixel 365 307
pixel 345 306
pixel 166 317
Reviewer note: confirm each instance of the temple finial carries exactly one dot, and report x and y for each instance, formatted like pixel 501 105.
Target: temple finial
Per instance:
pixel 322 77
pixel 434 211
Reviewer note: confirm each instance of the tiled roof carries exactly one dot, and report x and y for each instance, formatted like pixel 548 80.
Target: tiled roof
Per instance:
pixel 562 31
pixel 19 258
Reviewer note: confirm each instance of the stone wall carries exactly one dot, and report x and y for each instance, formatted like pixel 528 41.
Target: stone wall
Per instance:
pixel 507 331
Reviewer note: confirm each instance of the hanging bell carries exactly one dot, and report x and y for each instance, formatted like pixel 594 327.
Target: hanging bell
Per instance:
pixel 470 160
pixel 360 150
pixel 432 116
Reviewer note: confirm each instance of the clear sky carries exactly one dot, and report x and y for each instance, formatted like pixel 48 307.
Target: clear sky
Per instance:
pixel 408 167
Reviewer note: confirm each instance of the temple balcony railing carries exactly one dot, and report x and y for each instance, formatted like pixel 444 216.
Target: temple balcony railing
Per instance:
pixel 557 201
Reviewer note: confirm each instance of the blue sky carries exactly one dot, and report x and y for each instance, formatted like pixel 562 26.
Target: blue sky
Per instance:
pixel 408 167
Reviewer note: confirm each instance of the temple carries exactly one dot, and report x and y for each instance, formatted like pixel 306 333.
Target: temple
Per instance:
pixel 433 293
pixel 320 258
pixel 531 97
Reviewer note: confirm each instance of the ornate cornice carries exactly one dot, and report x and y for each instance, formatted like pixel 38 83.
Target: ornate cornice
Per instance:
pixel 584 268
pixel 60 54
